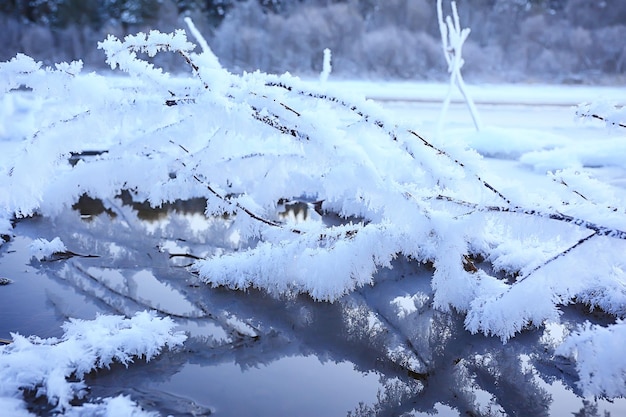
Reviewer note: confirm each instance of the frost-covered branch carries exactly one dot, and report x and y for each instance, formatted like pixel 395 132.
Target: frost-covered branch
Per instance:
pixel 598 229
pixel 247 143
pixel 611 115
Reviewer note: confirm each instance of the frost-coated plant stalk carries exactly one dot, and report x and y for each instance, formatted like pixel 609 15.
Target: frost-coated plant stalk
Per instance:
pixel 452 39
pixel 326 66
pixel 246 143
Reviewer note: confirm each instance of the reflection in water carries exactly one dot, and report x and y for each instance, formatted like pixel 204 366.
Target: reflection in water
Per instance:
pixel 380 351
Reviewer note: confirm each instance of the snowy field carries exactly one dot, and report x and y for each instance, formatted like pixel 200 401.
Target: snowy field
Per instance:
pixel 417 267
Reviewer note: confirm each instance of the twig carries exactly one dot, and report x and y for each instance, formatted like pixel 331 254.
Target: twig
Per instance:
pixel 598 229
pixel 380 124
pixel 274 123
pixel 578 193
pixel 604 119
pixel 462 165
pixel 557 256
pixel 338 101
pixel 236 204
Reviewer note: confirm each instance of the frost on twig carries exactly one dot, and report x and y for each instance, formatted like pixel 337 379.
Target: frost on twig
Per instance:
pixel 610 114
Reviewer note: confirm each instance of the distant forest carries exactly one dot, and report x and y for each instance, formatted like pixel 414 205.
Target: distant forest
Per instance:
pixel 562 41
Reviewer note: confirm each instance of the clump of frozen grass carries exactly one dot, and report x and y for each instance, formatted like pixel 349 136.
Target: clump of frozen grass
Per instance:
pixel 43 366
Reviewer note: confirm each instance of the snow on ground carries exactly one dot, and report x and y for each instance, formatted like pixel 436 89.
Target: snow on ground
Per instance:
pixel 527 127
pixel 511 94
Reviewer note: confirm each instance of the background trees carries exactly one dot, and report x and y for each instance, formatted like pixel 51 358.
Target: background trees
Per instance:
pixel 512 40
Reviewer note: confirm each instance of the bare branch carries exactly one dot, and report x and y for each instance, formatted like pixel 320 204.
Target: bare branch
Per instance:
pixel 598 229
pixel 557 256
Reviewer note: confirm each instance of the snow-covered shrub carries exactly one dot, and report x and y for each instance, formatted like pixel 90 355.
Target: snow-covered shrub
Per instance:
pixel 249 143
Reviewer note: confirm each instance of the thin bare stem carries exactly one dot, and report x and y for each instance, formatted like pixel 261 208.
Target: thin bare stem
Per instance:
pixel 557 256
pixel 598 229
pixel 230 202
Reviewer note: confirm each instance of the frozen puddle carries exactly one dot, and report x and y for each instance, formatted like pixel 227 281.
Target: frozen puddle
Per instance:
pixel 291 386
pixel 379 351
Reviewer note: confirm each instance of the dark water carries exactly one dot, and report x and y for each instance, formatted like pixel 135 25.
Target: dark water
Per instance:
pixel 251 354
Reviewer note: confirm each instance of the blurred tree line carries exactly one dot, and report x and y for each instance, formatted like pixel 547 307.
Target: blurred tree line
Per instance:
pixel 96 13
pixel 511 40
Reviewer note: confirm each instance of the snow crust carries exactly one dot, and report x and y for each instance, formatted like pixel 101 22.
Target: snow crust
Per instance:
pixel 245 143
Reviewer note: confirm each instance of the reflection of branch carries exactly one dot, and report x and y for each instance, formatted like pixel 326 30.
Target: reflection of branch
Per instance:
pixel 68 254
pixel 392 328
pixel 184 255
pixel 117 293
